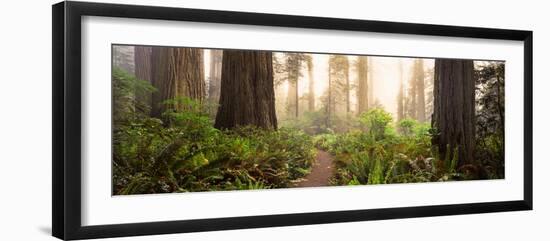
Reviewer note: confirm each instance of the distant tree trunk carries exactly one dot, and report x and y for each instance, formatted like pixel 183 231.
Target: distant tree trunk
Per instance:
pixel 329 95
pixel 348 88
pixel 297 100
pixel 454 108
pixel 292 98
pixel 413 93
pixel 247 94
pixel 500 102
pixel 429 94
pixel 293 66
pixel 142 71
pixel 311 85
pixel 370 97
pixel 420 102
pixel 215 75
pixel 177 72
pixel 401 94
pixel 123 57
pixel 363 84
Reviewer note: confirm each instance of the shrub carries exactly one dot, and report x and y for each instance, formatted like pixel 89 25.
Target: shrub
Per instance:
pixel 190 155
pixel 406 126
pixel 376 121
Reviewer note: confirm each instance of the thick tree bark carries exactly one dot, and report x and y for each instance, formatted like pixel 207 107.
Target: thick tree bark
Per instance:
pixel 247 94
pixel 177 72
pixel 142 59
pixel 420 99
pixel 363 84
pixel 454 108
pixel 311 85
pixel 215 75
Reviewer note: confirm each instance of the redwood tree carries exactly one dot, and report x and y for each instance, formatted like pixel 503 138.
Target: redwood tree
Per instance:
pixel 401 95
pixel 293 66
pixel 215 75
pixel 420 96
pixel 176 72
pixel 370 91
pixel 340 85
pixel 411 96
pixel 454 108
pixel 142 59
pixel 142 71
pixel 362 66
pixel 311 84
pixel 247 95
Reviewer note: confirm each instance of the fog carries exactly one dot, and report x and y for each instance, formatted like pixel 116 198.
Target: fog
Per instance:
pixel 386 74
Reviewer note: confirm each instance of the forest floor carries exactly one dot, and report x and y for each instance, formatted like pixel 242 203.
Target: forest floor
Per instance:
pixel 320 172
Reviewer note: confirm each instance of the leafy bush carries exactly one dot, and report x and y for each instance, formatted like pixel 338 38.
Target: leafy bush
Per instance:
pixel 406 126
pixel 191 155
pixel 125 89
pixel 324 141
pixel 377 122
pixel 363 157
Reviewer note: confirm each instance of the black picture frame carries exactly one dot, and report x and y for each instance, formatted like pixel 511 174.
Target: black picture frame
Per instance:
pixel 66 129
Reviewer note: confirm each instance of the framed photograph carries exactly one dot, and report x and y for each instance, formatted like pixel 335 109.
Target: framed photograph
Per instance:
pixel 169 120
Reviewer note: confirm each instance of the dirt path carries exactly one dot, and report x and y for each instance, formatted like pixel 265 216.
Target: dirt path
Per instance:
pixel 320 172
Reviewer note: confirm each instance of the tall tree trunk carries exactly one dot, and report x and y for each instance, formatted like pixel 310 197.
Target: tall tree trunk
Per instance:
pixel 311 85
pixel 293 65
pixel 454 108
pixel 177 72
pixel 420 100
pixel 123 57
pixel 292 97
pixel 348 88
pixel 363 84
pixel 329 95
pixel 142 71
pixel 370 96
pixel 215 75
pixel 500 102
pixel 247 94
pixel 401 94
pixel 412 94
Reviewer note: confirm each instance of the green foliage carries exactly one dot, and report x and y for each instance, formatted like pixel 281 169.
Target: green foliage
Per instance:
pixel 125 89
pixel 490 118
pixel 324 141
pixel 406 126
pixel 310 122
pixel 182 152
pixel 377 122
pixel 364 157
pixel 188 154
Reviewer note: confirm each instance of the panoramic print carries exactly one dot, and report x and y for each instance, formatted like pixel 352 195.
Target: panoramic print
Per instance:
pixel 193 119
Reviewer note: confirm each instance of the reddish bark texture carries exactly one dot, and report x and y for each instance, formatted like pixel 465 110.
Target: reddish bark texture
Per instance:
pixel 247 95
pixel 454 108
pixel 176 72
